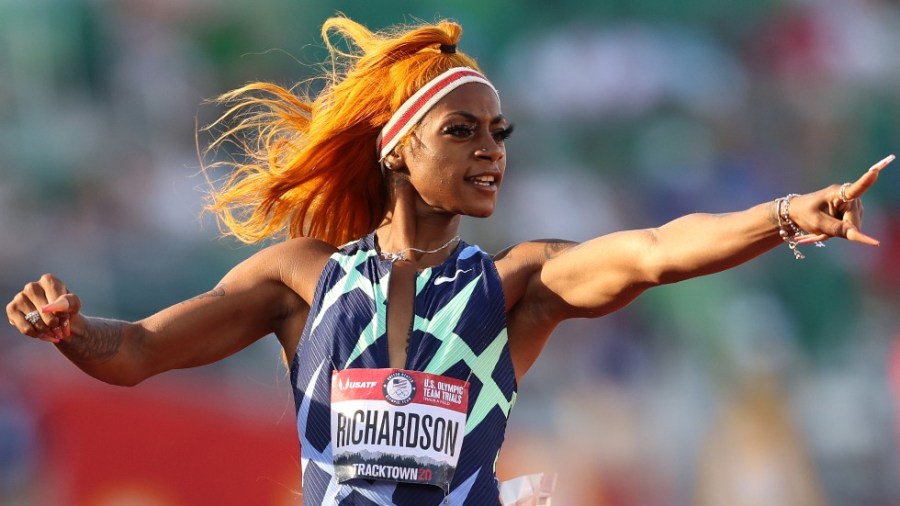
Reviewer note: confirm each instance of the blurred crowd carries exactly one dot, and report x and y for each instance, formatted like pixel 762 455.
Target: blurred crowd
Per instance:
pixel 773 384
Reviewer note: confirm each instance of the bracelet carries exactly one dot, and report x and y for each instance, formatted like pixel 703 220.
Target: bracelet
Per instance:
pixel 787 229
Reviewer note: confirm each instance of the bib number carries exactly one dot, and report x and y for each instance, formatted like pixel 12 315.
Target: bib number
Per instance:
pixel 397 425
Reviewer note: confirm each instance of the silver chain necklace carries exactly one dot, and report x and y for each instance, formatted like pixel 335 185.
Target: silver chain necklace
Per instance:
pixel 393 256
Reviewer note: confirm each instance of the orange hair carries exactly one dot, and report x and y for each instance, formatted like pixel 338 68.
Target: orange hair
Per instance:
pixel 309 165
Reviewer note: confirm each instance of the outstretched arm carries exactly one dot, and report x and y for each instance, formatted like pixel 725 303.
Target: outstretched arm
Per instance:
pixel 266 293
pixel 606 273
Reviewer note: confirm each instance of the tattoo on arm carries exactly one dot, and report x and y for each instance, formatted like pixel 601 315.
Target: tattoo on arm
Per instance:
pixel 101 342
pixel 218 291
pixel 103 338
pixel 554 247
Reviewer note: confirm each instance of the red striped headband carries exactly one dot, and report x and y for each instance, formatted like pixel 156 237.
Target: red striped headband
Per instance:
pixel 415 107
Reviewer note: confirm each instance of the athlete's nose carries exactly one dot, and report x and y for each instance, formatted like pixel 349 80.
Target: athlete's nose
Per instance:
pixel 492 153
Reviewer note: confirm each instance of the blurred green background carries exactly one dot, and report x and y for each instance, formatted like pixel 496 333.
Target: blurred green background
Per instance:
pixel 774 383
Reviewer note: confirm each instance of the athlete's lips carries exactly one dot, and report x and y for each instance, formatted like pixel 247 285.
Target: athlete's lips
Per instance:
pixel 488 181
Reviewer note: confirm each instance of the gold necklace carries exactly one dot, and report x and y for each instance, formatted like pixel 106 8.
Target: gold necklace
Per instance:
pixel 393 256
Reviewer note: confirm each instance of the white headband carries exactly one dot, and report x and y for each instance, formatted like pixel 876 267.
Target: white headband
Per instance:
pixel 415 107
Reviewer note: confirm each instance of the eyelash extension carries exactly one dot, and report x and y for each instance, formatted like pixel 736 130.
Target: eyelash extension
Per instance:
pixel 459 129
pixel 502 135
pixel 499 135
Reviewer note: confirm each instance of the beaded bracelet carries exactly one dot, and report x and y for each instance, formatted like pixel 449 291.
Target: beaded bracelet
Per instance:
pixel 787 228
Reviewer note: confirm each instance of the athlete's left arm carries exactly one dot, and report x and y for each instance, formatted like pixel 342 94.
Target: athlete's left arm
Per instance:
pixel 604 274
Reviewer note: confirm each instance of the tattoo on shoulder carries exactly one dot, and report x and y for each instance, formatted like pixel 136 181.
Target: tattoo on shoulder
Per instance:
pixel 554 247
pixel 218 291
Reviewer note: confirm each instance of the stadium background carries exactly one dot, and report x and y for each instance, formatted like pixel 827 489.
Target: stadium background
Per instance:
pixel 776 383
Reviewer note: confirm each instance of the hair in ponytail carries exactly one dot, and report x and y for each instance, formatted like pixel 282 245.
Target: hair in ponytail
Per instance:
pixel 307 166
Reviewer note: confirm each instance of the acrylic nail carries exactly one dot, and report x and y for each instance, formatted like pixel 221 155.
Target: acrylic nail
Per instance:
pixel 883 163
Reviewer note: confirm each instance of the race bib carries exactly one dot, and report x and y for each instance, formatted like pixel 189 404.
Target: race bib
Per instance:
pixel 397 425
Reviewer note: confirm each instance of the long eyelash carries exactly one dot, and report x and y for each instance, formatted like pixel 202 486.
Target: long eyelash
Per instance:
pixel 460 128
pixel 504 134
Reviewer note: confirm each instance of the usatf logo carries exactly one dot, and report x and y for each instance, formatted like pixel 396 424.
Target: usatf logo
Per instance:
pixel 347 384
pixel 399 388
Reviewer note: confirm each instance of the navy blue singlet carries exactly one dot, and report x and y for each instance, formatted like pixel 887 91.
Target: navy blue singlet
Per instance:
pixel 459 330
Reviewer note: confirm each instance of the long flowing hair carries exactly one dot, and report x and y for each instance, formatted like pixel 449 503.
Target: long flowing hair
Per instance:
pixel 307 166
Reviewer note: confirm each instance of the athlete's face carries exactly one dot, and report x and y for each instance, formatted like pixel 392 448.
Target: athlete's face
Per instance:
pixel 456 156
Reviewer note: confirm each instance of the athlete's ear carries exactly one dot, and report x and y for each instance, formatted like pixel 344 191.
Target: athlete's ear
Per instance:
pixel 393 161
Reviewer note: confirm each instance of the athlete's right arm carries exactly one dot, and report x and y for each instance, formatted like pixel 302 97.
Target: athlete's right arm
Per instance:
pixel 261 295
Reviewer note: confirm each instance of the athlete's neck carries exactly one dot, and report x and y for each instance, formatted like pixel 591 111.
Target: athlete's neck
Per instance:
pixel 410 226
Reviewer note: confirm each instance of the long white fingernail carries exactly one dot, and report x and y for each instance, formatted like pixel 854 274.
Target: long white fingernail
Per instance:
pixel 884 161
